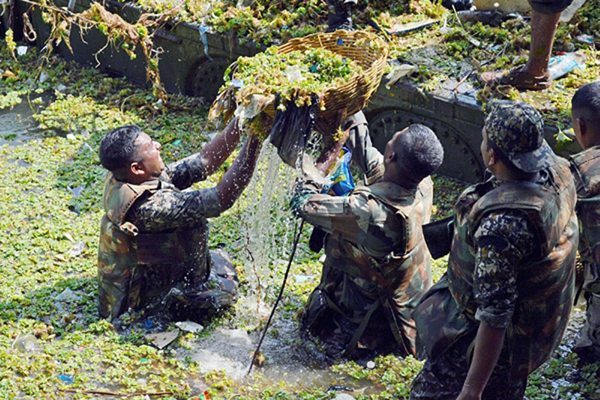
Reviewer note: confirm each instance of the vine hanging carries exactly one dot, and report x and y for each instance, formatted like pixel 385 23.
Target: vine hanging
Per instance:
pixel 119 33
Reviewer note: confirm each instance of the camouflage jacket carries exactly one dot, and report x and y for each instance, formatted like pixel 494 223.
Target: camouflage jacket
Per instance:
pixel 375 239
pixel 153 237
pixel 544 282
pixel 586 170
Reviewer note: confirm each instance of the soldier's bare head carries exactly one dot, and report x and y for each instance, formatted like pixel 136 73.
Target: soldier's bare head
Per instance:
pixel 131 155
pixel 585 114
pixel 411 155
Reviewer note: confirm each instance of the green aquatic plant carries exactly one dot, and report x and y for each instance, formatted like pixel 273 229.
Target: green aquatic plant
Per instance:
pixel 298 74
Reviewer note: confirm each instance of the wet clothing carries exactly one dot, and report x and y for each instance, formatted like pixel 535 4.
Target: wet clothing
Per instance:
pixel 549 6
pixel 511 266
pixel 586 170
pixel 377 265
pixel 153 245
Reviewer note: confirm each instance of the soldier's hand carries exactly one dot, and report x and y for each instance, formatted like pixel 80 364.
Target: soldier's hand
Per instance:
pixel 332 130
pixel 261 126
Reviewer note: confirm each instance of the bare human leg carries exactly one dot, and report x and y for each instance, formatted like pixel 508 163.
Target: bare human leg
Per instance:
pixel 533 75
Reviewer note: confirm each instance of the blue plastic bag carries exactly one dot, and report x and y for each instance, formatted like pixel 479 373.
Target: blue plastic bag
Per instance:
pixel 341 179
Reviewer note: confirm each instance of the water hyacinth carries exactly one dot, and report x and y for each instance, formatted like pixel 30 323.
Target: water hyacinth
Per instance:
pixel 295 74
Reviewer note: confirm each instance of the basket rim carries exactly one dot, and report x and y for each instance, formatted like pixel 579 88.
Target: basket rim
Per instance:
pixel 357 92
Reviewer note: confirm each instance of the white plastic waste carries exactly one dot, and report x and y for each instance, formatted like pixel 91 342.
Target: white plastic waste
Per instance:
pixel 559 66
pixel 398 72
pixel 189 326
pixel 568 13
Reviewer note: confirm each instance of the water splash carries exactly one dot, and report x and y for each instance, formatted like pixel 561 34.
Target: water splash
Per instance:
pixel 265 225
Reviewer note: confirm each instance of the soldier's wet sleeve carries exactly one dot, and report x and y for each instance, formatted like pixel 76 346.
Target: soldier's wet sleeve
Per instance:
pixel 505 240
pixel 364 154
pixel 356 218
pixel 168 209
pixel 184 173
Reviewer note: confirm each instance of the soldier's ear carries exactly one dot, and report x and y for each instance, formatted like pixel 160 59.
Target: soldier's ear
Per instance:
pixel 137 168
pixel 582 125
pixel 390 158
pixel 493 157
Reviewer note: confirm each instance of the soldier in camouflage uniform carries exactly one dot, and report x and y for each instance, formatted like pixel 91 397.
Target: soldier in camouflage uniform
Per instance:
pixel 586 170
pixel 152 254
pixel 377 265
pixel 504 304
pixel 339 14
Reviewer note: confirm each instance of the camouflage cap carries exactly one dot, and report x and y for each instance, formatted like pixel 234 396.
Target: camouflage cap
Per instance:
pixel 517 129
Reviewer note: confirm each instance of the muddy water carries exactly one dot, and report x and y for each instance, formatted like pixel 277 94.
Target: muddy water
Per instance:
pixel 286 359
pixel 17 125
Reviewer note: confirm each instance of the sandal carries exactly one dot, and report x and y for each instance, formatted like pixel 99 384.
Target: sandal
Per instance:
pixel 516 78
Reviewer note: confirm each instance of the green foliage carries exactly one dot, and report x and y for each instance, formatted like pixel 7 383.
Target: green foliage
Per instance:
pixel 77 113
pixel 265 74
pixel 11 99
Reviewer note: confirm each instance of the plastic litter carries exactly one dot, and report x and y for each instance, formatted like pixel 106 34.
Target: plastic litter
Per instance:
pixel 370 365
pixel 293 73
pixel 398 72
pixel 257 104
pixel 343 396
pixel 403 29
pixel 67 295
pixel 202 30
pixel 44 77
pixel 561 65
pixel 291 129
pixel 163 339
pixel 304 278
pixel 201 396
pixel 585 39
pixel 25 343
pixel 341 177
pixel 22 50
pixel 147 324
pixel 77 249
pixel 67 379
pixel 189 326
pixel 568 12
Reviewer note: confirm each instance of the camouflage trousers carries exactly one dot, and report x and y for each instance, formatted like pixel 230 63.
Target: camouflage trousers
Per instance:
pixel 442 378
pixel 166 290
pixel 588 343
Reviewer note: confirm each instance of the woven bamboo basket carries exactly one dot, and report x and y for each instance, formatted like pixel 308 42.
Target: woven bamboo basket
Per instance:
pixel 363 47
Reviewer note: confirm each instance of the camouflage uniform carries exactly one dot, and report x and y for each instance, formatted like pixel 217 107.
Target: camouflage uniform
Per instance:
pixel 586 170
pixel 339 14
pixel 511 266
pixel 153 245
pixel 377 265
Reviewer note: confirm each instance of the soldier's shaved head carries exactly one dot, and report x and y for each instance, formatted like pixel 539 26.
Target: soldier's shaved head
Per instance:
pixel 118 149
pixel 587 100
pixel 419 152
pixel 585 114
